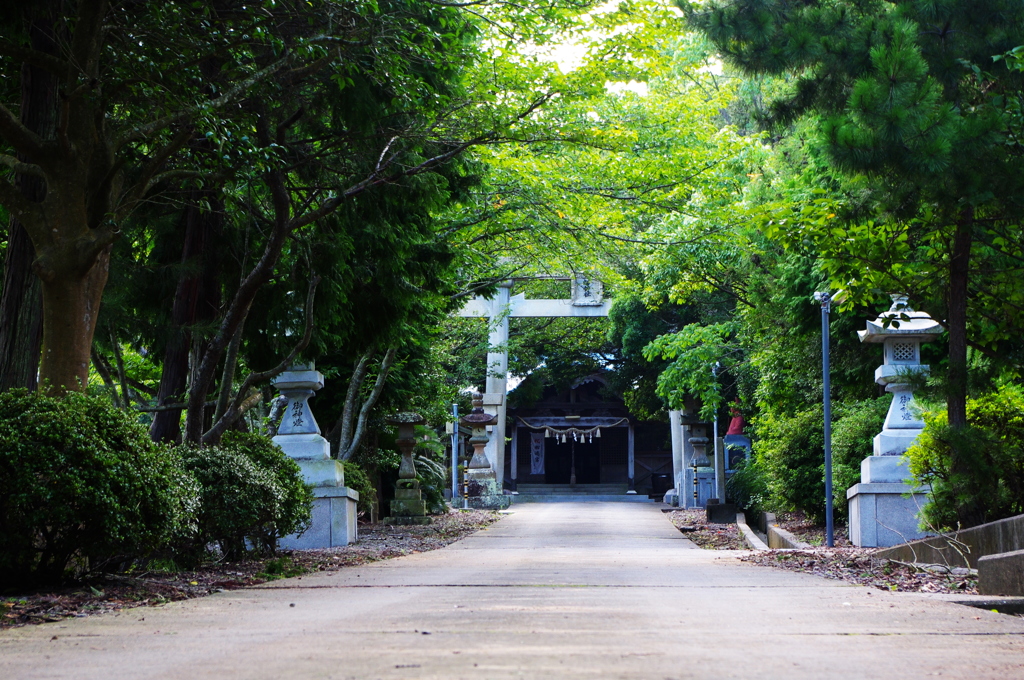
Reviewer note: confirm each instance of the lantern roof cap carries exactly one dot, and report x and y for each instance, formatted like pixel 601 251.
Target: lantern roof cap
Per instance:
pixel 406 418
pixel 901 320
pixel 477 417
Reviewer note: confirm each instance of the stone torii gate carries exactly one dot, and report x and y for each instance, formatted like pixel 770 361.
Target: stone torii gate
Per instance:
pixel 586 301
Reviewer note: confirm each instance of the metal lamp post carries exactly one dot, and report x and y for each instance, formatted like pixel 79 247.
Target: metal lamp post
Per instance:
pixel 455 452
pixel 719 463
pixel 825 299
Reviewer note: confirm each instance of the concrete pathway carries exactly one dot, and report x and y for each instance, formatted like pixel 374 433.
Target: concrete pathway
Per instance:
pixel 582 590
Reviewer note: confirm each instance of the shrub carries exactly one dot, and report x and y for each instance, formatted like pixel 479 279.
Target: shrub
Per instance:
pixel 748 487
pixel 988 482
pixel 81 483
pixel 356 478
pixel 790 450
pixel 853 435
pixel 252 494
pixel 433 480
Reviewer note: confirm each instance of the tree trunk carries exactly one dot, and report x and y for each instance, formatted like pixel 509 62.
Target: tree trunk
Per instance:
pixel 21 306
pixel 196 300
pixel 959 265
pixel 970 510
pixel 71 305
pixel 21 314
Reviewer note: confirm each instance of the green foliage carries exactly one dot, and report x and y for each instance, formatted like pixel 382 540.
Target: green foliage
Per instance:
pixel 904 170
pixel 356 478
pixel 748 487
pixel 991 484
pixel 694 353
pixel 433 481
pixel 81 486
pixel 280 567
pixel 853 434
pixel 790 450
pixel 252 494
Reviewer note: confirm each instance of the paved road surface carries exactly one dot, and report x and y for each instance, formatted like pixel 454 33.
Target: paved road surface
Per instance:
pixel 551 591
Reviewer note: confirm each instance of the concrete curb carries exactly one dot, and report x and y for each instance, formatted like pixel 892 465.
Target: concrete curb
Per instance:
pixel 751 538
pixel 780 538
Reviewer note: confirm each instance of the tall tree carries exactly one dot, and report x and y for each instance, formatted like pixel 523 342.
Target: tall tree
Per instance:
pixel 901 94
pixel 21 303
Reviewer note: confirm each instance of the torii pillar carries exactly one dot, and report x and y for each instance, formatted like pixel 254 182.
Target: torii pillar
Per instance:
pixel 586 301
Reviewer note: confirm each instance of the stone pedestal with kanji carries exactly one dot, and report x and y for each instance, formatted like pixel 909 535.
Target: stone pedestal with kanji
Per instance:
pixel 884 507
pixel 334 504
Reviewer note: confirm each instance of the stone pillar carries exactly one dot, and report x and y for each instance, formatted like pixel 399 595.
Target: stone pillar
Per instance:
pixel 676 430
pixel 484 491
pixel 514 463
pixel 884 507
pixel 686 476
pixel 408 506
pixel 496 388
pixel 631 460
pixel 334 504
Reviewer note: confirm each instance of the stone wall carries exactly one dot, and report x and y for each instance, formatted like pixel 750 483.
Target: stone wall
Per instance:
pixel 1005 535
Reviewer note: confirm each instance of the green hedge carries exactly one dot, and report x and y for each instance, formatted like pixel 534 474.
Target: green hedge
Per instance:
pixel 252 494
pixel 83 486
pixel 790 454
pixel 988 482
pixel 356 478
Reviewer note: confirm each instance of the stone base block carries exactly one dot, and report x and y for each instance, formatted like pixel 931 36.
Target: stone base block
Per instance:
pixel 406 520
pixel 489 502
pixel 482 483
pixel 891 442
pixel 311 446
pixel 1001 574
pixel 322 473
pixel 671 498
pixel 884 470
pixel 334 521
pixel 408 507
pixel 721 513
pixel 883 515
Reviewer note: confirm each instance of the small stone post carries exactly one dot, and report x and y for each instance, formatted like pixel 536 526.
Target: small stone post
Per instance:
pixel 408 506
pixel 482 482
pixel 884 507
pixel 334 504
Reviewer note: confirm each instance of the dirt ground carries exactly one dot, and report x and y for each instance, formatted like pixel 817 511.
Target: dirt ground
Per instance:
pixel 693 523
pixel 856 565
pixel 844 562
pixel 110 592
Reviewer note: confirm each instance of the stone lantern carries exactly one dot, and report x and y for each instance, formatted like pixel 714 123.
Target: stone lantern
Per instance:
pixel 408 506
pixel 883 507
pixel 480 477
pixel 334 504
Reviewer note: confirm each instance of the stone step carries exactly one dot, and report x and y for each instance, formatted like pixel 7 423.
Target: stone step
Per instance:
pixel 579 498
pixel 581 489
